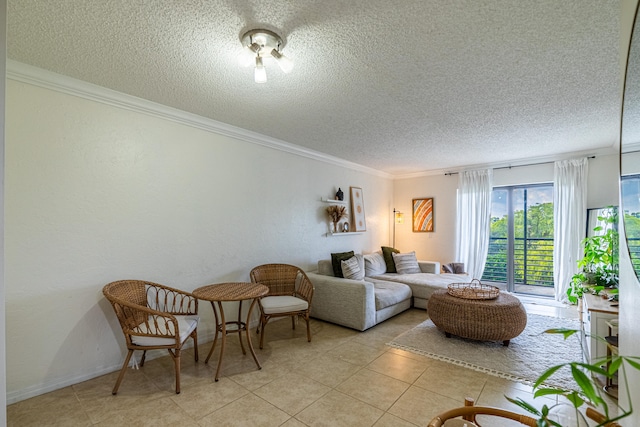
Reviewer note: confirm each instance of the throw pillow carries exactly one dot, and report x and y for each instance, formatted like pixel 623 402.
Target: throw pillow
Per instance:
pixel 374 264
pixel 406 263
pixel 388 258
pixel 335 262
pixel 454 268
pixel 351 269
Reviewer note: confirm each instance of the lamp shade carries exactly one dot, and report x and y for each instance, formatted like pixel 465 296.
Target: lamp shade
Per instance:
pixel 286 64
pixel 260 73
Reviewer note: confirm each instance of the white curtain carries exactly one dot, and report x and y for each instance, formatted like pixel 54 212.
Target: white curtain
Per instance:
pixel 474 219
pixel 569 221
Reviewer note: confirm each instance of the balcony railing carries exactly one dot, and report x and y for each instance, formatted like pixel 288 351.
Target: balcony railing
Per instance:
pixel 533 261
pixel 634 249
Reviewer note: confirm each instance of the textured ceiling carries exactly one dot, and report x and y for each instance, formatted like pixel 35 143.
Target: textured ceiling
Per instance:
pixel 399 86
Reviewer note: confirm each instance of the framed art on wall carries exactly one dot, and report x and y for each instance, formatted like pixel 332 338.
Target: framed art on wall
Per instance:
pixel 423 215
pixel 357 207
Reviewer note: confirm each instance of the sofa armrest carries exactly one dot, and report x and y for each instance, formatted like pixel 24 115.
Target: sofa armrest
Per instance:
pixel 432 267
pixel 347 302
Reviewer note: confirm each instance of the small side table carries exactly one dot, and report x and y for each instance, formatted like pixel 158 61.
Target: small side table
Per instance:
pixel 612 349
pixel 236 291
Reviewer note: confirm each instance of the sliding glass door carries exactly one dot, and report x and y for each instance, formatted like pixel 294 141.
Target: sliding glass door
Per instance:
pixel 521 245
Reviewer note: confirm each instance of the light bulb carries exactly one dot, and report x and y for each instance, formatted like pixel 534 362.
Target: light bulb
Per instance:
pixel 285 63
pixel 260 74
pixel 248 53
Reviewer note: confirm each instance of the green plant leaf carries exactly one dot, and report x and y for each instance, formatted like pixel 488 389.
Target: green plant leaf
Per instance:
pixel 546 374
pixel 585 384
pixel 633 362
pixel 615 364
pixel 524 405
pixel 547 391
pixel 563 331
pixel 595 368
pixel 575 399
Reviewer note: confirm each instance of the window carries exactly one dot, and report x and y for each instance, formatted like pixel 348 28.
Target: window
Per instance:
pixel 521 243
pixel 630 190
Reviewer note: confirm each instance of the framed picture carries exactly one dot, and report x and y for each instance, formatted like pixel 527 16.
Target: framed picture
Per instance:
pixel 357 207
pixel 423 215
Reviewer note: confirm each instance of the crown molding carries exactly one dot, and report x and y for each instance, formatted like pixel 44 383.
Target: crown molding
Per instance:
pixel 25 73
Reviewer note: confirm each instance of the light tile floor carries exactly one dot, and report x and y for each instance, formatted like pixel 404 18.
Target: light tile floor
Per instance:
pixel 342 378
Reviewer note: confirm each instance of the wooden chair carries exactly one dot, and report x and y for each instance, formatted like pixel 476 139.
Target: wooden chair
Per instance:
pixel 468 412
pixel 152 317
pixel 290 294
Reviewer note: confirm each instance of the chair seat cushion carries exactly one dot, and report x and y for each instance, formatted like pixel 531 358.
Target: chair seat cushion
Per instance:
pixel 282 304
pixel 186 325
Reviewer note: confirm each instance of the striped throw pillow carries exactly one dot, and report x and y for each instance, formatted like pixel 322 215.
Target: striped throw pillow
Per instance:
pixel 351 269
pixel 406 263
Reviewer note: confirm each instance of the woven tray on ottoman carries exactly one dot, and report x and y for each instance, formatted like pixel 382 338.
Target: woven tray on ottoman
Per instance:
pixel 498 319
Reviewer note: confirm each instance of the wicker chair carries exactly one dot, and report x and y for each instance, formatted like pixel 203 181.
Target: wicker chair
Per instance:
pixel 468 412
pixel 290 294
pixel 152 317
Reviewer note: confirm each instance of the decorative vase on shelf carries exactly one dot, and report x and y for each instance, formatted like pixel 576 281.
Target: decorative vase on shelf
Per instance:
pixel 335 227
pixel 339 194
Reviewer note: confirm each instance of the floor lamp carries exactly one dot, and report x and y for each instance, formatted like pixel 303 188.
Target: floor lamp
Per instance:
pixel 398 218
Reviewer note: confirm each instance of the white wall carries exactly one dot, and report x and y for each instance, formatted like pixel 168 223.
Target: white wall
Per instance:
pixel 96 193
pixel 3 72
pixel 440 245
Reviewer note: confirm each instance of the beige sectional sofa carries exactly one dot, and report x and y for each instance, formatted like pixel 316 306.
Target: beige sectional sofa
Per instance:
pixel 361 304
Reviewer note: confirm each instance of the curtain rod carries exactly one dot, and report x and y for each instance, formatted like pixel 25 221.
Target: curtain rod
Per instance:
pixel 516 166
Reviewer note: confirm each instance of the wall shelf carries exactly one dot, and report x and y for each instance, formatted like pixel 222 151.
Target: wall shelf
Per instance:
pixel 350 233
pixel 337 202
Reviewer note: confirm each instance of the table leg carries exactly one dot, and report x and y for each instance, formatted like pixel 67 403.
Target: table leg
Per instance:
pixel 215 337
pixel 253 353
pixel 240 326
pixel 224 338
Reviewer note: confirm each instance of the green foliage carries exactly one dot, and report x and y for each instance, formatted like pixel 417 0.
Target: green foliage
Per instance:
pixel 632 231
pixel 599 266
pixel 539 252
pixel 589 391
pixel 632 225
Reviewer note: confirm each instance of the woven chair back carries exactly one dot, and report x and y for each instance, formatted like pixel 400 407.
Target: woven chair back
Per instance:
pixel 125 295
pixel 132 301
pixel 279 278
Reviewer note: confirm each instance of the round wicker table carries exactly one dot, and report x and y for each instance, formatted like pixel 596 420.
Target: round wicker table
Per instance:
pixel 237 291
pixel 498 319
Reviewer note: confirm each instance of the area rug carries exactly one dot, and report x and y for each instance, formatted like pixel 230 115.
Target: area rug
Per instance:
pixel 527 356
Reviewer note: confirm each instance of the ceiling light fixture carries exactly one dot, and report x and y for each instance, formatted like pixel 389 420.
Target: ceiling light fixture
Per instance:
pixel 259 45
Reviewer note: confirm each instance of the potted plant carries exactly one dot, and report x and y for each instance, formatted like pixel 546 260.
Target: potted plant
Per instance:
pixel 336 213
pixel 599 266
pixel 588 391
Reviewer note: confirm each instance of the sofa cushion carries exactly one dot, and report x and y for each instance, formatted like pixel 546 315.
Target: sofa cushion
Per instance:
pixel 353 268
pixel 406 263
pixel 335 262
pixel 388 258
pixel 374 264
pixel 454 268
pixel 325 267
pixel 390 293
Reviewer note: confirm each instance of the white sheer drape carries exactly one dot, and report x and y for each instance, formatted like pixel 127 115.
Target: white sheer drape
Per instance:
pixel 569 221
pixel 474 219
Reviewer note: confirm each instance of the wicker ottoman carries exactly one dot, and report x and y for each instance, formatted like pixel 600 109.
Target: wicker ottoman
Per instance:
pixel 499 319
